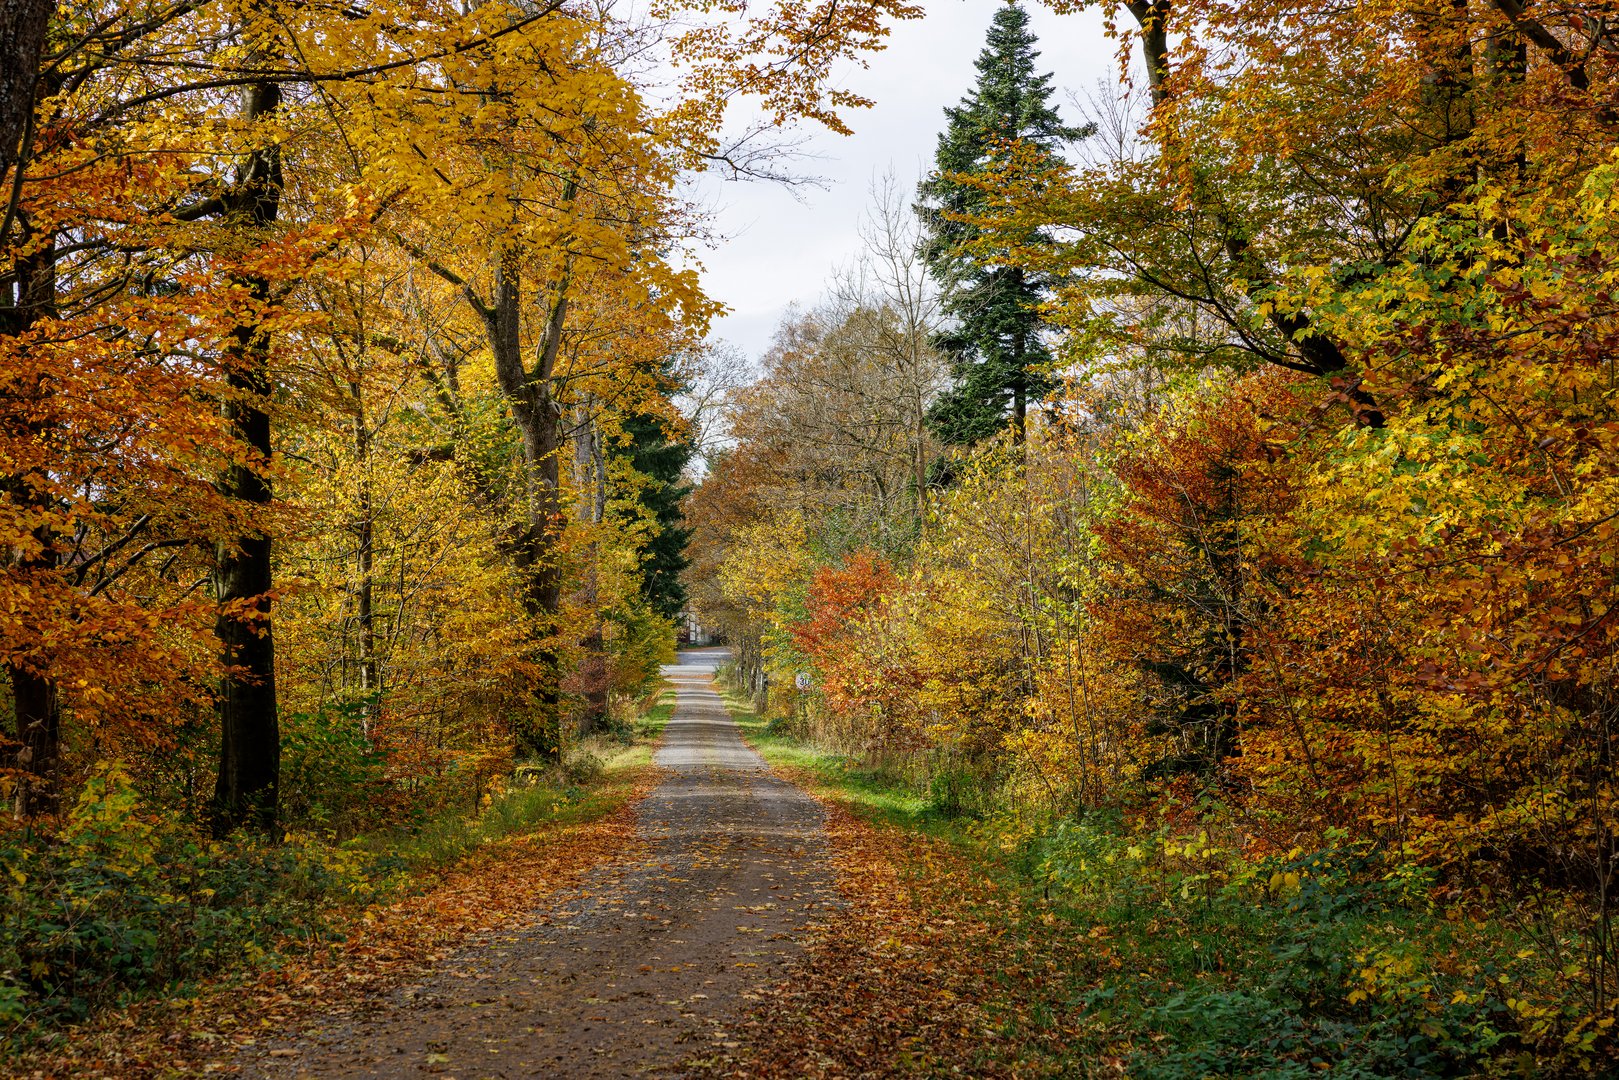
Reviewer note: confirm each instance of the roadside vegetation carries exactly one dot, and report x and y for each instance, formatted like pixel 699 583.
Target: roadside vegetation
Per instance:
pixel 121 906
pixel 1112 945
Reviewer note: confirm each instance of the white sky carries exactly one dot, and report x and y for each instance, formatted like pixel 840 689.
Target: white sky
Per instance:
pixel 782 246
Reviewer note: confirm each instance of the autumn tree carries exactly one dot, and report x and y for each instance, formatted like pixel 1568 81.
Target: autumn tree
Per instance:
pixel 104 311
pixel 835 419
pixel 248 206
pixel 900 315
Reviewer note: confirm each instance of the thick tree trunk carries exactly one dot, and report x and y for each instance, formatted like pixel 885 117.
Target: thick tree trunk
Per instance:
pixel 539 422
pixel 542 446
pixel 593 669
pixel 250 736
pixel 542 598
pixel 34 693
pixel 23 24
pixel 39 735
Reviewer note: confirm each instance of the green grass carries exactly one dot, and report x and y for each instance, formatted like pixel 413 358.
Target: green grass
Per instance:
pixel 444 839
pixel 632 747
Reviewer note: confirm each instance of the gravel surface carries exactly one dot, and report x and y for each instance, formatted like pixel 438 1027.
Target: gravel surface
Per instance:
pixel 642 967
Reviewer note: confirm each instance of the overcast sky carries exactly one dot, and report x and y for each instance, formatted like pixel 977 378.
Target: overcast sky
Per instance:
pixel 781 249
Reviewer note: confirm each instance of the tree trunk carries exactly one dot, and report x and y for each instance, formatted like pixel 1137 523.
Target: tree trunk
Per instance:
pixel 34 693
pixel 542 439
pixel 542 576
pixel 365 539
pixel 593 670
pixel 39 734
pixel 1020 374
pixel 1153 18
pixel 250 736
pixel 539 422
pixel 23 24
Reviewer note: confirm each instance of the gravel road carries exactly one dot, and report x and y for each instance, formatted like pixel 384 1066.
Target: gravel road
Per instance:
pixel 643 966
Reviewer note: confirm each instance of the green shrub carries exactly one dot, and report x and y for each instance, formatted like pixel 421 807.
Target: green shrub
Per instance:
pixel 332 778
pixel 1325 962
pixel 640 642
pixel 962 786
pixel 119 903
pixel 787 725
pixel 583 767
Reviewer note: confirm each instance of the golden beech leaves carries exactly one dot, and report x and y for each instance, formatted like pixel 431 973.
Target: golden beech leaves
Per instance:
pixel 310 216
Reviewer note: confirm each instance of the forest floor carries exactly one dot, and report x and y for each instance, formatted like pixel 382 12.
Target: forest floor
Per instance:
pixel 743 904
pixel 761 920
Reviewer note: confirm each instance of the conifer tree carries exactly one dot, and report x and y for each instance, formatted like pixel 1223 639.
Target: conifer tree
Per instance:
pixel 993 342
pixel 661 460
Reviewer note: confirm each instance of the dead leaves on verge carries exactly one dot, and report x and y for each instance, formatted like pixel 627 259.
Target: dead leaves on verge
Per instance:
pixel 923 972
pixel 215 1031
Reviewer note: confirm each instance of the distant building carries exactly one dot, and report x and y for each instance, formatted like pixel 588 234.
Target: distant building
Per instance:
pixel 691 631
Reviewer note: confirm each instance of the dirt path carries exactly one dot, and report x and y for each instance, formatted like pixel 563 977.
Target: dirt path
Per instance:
pixel 643 967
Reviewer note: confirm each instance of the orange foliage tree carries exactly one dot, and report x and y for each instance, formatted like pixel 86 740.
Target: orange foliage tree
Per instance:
pixel 222 229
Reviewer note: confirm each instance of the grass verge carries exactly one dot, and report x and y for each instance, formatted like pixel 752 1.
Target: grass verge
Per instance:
pixel 875 796
pixel 1088 948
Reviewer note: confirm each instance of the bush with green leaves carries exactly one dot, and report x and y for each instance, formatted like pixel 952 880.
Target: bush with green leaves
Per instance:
pixel 1313 963
pixel 962 785
pixel 332 776
pixel 121 902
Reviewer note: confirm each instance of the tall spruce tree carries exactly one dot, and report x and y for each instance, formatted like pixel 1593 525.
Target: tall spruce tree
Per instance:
pixel 996 353
pixel 662 461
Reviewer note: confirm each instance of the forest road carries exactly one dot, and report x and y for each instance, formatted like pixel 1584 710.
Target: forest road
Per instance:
pixel 641 967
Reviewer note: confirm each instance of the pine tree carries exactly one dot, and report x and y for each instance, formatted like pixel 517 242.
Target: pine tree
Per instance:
pixel 996 353
pixel 662 461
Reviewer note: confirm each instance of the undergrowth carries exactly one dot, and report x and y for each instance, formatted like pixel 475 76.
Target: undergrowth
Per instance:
pixel 1183 957
pixel 122 903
